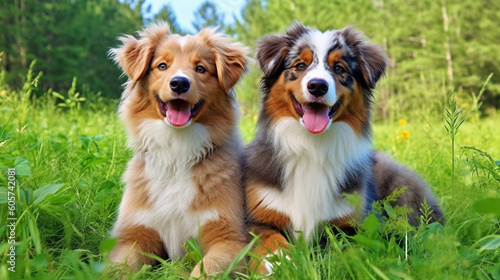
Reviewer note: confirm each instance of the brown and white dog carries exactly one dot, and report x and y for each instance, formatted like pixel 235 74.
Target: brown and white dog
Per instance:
pixel 314 139
pixel 184 179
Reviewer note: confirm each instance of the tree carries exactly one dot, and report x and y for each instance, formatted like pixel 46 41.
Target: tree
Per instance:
pixel 167 14
pixel 68 39
pixel 207 15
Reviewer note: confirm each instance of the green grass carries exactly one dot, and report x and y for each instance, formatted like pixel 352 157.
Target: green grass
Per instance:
pixel 69 161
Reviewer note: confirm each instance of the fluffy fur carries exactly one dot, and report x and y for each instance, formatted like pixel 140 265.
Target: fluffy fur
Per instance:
pixel 314 139
pixel 184 179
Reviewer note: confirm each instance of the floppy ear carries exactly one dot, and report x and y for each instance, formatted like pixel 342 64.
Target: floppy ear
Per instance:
pixel 273 48
pixel 134 55
pixel 230 58
pixel 372 59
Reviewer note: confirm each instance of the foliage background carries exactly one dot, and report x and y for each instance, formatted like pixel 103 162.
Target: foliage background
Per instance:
pixel 435 47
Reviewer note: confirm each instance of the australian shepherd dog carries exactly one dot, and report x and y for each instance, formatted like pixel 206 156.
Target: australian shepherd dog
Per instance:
pixel 184 179
pixel 314 140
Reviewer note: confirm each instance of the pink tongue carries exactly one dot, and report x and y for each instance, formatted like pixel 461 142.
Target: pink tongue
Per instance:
pixel 178 112
pixel 315 118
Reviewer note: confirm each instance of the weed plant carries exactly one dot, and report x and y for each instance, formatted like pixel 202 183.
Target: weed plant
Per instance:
pixel 69 160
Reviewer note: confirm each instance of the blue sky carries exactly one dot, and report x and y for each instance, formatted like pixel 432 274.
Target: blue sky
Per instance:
pixel 184 9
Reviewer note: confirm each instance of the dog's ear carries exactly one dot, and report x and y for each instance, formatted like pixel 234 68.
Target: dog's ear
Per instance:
pixel 372 59
pixel 273 48
pixel 134 55
pixel 231 58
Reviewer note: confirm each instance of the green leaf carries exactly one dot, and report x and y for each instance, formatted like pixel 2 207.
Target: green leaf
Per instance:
pixel 4 246
pixel 194 250
pixel 22 167
pixel 371 224
pixel 371 243
pixel 40 260
pixel 58 95
pixel 41 193
pixel 488 206
pixel 490 242
pixel 389 210
pixel 107 245
pixel 496 272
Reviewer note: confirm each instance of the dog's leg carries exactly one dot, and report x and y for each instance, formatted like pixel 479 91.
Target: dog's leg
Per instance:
pixel 272 242
pixel 268 225
pixel 218 181
pixel 133 242
pixel 222 240
pixel 135 239
pixel 390 176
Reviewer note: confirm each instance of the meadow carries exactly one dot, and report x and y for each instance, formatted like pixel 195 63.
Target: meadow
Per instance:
pixel 69 151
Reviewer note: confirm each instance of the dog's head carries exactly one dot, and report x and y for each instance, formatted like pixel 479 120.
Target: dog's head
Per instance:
pixel 181 79
pixel 320 77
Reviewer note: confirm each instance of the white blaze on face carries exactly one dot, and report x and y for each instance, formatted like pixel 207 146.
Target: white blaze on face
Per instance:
pixel 180 73
pixel 316 117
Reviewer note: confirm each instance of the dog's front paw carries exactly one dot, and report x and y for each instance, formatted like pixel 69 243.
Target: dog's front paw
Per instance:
pixel 207 266
pixel 272 261
pixel 196 273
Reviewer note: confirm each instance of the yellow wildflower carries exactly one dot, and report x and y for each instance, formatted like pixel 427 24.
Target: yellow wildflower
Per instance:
pixel 402 122
pixel 405 134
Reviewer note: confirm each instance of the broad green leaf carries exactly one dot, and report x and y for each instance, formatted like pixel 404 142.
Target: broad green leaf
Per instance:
pixel 369 242
pixel 371 224
pixel 40 194
pixel 22 167
pixel 107 245
pixel 40 260
pixel 488 206
pixel 496 272
pixel 490 242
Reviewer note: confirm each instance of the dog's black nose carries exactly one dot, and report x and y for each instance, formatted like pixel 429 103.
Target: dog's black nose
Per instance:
pixel 179 84
pixel 317 87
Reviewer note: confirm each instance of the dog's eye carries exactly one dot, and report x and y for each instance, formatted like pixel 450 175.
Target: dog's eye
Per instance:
pixel 200 69
pixel 339 69
pixel 162 66
pixel 300 66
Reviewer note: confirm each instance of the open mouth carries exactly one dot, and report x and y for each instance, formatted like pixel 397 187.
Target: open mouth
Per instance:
pixel 315 117
pixel 178 112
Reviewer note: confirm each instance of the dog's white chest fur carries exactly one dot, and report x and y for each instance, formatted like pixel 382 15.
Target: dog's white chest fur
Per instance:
pixel 314 168
pixel 169 158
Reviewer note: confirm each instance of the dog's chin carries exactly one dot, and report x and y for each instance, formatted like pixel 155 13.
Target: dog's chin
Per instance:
pixel 179 113
pixel 315 117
